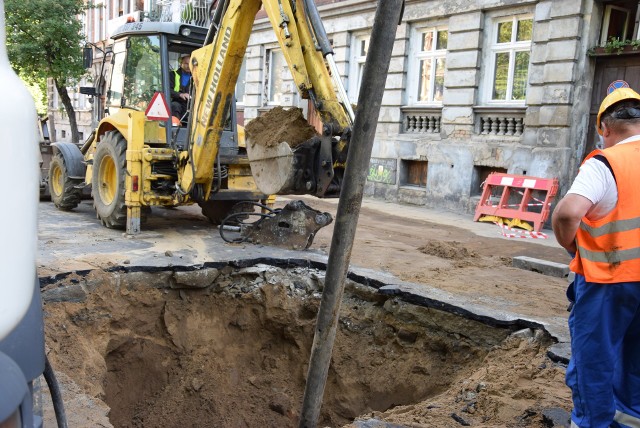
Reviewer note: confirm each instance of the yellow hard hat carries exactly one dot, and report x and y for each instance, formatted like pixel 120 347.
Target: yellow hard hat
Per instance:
pixel 614 97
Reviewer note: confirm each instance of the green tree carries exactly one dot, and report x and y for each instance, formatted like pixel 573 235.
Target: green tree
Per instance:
pixel 44 40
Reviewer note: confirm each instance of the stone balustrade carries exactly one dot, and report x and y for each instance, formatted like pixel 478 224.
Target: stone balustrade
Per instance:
pixel 421 120
pixel 500 121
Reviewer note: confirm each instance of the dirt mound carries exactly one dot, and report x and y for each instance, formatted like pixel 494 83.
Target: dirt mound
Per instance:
pixel 447 250
pixel 231 347
pixel 280 125
pixel 510 390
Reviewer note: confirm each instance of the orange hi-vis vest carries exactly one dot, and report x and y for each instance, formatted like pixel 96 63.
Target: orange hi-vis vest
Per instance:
pixel 609 248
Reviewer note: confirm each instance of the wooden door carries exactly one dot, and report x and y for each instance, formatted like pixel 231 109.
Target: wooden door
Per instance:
pixel 608 69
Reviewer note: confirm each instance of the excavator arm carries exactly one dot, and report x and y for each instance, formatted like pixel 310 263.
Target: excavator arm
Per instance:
pixel 313 167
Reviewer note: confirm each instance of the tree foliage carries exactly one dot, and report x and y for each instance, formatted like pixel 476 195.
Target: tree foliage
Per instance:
pixel 44 38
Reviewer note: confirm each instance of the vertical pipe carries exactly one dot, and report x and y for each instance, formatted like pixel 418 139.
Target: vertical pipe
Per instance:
pixel 369 100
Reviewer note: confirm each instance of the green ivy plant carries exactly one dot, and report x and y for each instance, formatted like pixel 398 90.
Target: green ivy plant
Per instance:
pixel 616 45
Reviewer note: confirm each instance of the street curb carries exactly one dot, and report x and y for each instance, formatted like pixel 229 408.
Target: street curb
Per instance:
pixel 544 267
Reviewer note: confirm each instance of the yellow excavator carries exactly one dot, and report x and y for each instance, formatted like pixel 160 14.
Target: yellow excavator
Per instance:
pixel 132 162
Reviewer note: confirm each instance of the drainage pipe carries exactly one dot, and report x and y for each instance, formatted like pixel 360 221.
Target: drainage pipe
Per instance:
pixel 374 77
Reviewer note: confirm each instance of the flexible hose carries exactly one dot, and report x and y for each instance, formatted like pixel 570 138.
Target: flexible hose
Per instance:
pixel 56 395
pixel 240 218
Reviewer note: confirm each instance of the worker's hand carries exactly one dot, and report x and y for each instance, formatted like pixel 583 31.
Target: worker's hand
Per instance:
pixel 185 96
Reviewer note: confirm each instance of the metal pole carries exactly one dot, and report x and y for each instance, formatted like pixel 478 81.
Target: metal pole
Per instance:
pixel 369 100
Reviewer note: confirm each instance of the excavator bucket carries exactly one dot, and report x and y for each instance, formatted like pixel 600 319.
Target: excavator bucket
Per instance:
pixel 288 157
pixel 305 170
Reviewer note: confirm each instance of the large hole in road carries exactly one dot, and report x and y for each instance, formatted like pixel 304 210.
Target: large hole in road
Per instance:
pixel 230 347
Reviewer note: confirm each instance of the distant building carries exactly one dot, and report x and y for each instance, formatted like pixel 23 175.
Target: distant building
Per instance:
pixel 473 87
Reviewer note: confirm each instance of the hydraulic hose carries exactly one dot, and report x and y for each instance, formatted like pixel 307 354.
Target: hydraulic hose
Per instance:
pixel 318 27
pixel 56 395
pixel 215 21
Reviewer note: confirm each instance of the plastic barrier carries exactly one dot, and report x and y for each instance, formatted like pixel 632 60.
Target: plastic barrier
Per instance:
pixel 515 194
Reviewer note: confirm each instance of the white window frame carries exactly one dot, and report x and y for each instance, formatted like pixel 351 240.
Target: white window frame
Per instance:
pixel 242 77
pixel 267 95
pixel 607 19
pixel 356 64
pixel 511 47
pixel 416 54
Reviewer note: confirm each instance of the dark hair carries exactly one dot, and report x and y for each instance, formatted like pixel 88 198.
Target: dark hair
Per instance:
pixel 622 114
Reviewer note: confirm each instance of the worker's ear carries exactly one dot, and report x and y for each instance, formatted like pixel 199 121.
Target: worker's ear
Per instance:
pixel 606 131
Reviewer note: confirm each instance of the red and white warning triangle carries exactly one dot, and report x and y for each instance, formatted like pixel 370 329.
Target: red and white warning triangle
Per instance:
pixel 158 108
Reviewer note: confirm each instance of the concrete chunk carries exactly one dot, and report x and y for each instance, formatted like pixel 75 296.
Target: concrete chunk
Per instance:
pixel 201 278
pixel 556 417
pixel 544 267
pixel 66 293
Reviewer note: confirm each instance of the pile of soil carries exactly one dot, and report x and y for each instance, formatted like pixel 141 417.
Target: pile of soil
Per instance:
pixel 230 347
pixel 279 125
pixel 511 389
pixel 447 250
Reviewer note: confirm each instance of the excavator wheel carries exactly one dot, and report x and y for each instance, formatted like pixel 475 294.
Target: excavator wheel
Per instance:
pixel 64 194
pixel 216 211
pixel 108 181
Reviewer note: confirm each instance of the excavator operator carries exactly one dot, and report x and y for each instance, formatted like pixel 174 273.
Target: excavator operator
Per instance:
pixel 180 84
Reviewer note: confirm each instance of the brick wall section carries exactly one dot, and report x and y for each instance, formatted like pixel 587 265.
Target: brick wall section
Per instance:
pixel 390 115
pixel 554 57
pixel 462 74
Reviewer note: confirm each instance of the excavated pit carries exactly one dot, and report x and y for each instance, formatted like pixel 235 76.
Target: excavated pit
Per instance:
pixel 229 346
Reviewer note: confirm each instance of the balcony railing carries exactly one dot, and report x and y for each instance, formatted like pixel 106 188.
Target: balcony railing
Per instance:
pixel 194 12
pixel 500 121
pixel 421 120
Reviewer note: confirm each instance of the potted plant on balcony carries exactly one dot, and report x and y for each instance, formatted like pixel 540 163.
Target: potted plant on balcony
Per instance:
pixel 615 46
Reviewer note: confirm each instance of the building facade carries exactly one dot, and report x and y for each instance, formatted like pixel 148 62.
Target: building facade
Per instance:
pixel 474 87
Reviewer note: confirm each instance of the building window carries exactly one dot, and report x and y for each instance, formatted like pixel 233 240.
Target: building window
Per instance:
pixel 414 173
pixel 479 176
pixel 241 83
pixel 277 78
pixel 509 64
pixel 357 58
pixel 427 63
pixel 615 23
pixel 101 22
pixel 63 134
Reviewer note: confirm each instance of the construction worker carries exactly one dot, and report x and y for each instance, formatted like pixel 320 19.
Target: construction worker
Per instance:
pixel 180 84
pixel 598 221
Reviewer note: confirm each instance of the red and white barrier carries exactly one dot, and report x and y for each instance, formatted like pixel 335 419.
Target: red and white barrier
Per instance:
pixel 509 232
pixel 524 186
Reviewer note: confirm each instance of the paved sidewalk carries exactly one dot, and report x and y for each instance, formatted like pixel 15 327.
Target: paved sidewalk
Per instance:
pixel 440 216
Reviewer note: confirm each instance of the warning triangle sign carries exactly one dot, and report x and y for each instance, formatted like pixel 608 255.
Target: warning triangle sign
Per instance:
pixel 158 108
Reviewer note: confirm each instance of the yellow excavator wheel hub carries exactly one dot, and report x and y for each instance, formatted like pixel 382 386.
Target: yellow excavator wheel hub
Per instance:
pixel 57 185
pixel 108 180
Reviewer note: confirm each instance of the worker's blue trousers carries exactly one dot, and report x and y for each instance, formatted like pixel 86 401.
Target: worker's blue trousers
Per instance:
pixel 604 370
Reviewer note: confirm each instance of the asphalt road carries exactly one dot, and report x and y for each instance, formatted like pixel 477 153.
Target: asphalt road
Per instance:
pixel 75 241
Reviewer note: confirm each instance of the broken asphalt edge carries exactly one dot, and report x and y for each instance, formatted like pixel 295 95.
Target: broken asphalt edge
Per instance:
pixel 385 284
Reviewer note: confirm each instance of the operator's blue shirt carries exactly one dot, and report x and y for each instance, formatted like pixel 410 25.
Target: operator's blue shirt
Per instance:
pixel 184 79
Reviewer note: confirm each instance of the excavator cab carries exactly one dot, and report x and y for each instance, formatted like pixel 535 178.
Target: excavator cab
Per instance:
pixel 142 64
pixel 143 60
